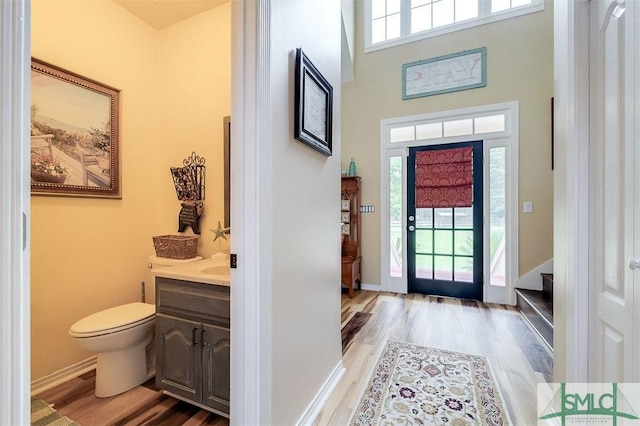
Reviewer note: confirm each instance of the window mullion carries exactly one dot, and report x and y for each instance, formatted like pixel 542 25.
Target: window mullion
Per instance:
pixel 484 8
pixel 368 23
pixel 405 18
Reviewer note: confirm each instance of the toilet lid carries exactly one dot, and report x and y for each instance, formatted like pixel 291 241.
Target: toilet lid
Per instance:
pixel 114 319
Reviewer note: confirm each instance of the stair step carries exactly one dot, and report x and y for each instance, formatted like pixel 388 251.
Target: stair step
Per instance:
pixel 547 287
pixel 538 311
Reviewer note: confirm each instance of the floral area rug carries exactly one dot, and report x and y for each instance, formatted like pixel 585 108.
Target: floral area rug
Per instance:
pixel 416 385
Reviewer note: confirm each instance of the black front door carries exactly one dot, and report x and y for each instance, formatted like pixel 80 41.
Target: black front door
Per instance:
pixel 444 253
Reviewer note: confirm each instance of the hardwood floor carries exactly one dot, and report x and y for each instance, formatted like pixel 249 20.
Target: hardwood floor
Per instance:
pixel 143 405
pixel 519 361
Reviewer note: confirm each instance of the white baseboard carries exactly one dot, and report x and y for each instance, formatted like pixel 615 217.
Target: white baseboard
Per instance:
pixel 371 287
pixel 532 279
pixel 321 397
pixel 64 375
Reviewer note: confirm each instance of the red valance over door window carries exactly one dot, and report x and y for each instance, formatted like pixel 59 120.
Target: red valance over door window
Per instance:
pixel 444 178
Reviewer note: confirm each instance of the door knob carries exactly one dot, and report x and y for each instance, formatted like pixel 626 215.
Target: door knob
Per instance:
pixel 412 228
pixel 634 264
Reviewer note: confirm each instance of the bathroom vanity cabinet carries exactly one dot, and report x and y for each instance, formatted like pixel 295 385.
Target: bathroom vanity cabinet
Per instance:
pixel 192 342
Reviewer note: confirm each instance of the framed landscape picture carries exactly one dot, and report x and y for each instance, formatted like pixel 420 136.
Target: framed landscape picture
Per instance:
pixel 74 134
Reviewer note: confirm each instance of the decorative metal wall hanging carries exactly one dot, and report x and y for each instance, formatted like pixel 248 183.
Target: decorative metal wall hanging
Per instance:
pixel 189 181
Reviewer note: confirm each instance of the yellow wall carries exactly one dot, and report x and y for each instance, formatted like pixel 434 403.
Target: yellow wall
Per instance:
pixel 194 74
pixel 519 68
pixel 89 254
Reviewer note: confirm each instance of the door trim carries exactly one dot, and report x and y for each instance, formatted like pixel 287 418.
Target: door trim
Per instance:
pixel 15 32
pixel 571 281
pixel 251 213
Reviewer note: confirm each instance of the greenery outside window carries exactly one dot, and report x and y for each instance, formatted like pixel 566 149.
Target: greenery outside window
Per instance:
pixel 393 22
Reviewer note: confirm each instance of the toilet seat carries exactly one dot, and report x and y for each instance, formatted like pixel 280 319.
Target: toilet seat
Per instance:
pixel 113 320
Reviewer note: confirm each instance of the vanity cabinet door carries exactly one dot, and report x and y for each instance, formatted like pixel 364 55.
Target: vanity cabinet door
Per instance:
pixel 216 358
pixel 178 367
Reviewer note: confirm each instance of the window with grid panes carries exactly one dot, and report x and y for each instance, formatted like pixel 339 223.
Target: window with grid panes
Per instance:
pixel 392 22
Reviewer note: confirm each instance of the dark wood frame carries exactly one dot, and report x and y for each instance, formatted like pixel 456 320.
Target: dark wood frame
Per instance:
pixel 107 188
pixel 305 131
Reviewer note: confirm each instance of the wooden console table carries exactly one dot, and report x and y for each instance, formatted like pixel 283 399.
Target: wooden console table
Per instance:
pixel 351 273
pixel 350 218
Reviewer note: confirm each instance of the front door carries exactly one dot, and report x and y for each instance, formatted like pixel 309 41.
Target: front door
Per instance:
pixel 614 155
pixel 444 220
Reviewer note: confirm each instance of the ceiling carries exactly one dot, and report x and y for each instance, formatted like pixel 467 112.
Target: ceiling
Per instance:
pixel 162 13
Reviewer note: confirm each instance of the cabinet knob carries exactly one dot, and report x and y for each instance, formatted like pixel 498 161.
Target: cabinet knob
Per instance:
pixel 194 340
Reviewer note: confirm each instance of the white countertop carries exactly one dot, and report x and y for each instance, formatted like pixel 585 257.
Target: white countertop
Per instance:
pixel 207 271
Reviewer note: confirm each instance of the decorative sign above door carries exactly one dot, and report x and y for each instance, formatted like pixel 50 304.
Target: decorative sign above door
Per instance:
pixel 445 74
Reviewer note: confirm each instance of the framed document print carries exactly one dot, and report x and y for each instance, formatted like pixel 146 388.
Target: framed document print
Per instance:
pixel 313 106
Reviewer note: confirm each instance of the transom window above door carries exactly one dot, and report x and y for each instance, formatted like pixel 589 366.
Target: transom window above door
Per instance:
pixel 393 22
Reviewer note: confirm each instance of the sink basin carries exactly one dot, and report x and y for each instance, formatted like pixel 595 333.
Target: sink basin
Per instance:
pixel 205 271
pixel 217 270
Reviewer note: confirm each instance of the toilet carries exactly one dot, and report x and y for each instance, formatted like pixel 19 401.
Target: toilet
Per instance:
pixel 121 337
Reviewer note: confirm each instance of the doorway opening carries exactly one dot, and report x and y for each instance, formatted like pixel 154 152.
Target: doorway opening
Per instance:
pixel 497 127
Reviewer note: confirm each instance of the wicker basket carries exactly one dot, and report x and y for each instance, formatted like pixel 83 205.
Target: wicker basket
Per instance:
pixel 175 246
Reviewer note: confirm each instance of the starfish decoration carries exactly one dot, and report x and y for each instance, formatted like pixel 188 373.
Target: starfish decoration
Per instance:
pixel 219 232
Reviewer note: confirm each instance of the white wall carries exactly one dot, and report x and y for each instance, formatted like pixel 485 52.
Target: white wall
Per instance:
pixel 348 39
pixel 285 198
pixel 305 198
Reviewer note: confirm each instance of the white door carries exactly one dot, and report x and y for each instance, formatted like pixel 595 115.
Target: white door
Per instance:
pixel 614 146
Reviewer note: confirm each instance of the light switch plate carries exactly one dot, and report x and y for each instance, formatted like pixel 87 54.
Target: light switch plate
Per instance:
pixel 527 207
